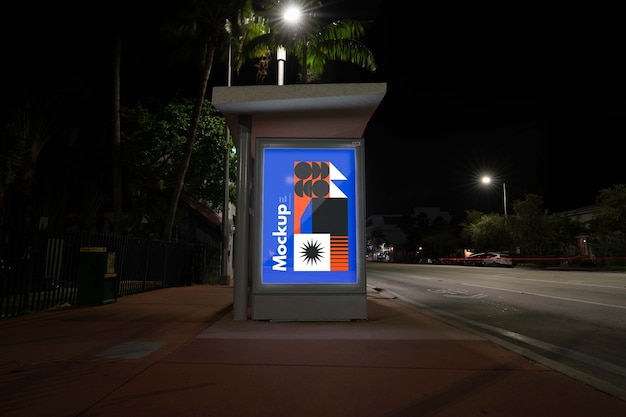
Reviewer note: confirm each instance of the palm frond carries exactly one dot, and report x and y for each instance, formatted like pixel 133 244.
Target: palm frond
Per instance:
pixel 338 41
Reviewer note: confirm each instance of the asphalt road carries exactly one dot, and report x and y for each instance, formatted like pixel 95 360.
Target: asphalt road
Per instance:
pixel 571 321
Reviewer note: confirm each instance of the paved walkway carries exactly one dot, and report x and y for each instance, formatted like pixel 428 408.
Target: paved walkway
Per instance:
pixel 179 352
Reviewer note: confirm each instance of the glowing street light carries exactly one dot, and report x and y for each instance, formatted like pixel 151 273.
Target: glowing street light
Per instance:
pixel 487 180
pixel 291 16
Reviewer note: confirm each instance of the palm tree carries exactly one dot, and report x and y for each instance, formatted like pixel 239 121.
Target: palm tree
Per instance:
pixel 116 139
pixel 235 23
pixel 247 26
pixel 123 23
pixel 205 21
pixel 314 42
pixel 30 128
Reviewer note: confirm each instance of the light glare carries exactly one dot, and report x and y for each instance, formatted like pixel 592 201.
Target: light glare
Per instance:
pixel 292 14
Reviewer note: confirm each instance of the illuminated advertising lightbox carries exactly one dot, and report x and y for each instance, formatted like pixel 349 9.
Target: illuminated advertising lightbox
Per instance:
pixel 308 211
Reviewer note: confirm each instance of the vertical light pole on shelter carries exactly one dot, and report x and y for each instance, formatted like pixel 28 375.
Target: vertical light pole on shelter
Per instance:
pixel 292 15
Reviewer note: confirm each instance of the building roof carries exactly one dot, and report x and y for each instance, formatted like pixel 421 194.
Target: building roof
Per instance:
pixel 202 211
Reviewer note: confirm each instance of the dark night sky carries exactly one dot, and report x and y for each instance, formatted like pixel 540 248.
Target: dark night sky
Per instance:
pixel 535 99
pixel 534 96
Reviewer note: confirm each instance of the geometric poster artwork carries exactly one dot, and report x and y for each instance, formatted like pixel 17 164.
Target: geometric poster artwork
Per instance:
pixel 309 216
pixel 325 247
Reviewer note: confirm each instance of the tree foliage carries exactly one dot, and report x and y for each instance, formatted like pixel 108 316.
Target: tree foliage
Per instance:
pixel 152 148
pixel 608 227
pixel 313 42
pixel 529 226
pixel 22 141
pixel 486 231
pixel 529 231
pixel 81 177
pixel 203 23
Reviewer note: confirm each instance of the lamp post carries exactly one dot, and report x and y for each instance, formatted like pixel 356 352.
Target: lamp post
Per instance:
pixel 281 57
pixel 292 15
pixel 487 180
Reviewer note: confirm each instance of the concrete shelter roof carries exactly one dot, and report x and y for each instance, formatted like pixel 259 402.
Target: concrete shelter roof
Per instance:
pixel 257 99
pixel 300 110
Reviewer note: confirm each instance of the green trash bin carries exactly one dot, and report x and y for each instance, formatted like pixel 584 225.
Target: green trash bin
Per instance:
pixel 98 282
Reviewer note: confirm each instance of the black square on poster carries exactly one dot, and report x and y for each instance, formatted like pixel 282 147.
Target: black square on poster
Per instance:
pixel 330 215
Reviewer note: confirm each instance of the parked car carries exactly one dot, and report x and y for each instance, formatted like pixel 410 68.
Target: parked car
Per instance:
pixel 488 259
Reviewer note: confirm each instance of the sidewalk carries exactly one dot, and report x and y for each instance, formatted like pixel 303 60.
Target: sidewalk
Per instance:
pixel 178 352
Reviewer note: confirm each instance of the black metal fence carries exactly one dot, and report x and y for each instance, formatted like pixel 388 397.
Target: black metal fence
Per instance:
pixel 42 273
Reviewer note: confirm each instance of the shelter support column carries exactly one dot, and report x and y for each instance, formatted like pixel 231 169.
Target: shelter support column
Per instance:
pixel 241 256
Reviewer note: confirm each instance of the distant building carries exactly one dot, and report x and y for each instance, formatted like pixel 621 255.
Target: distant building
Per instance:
pixel 429 215
pixel 393 227
pixel 386 228
pixel 387 234
pixel 383 233
pixel 583 215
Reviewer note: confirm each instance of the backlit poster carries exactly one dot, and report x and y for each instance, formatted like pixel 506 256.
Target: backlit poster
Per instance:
pixel 309 211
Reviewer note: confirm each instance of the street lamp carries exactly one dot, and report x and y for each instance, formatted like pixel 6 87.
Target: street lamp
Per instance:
pixel 487 180
pixel 291 15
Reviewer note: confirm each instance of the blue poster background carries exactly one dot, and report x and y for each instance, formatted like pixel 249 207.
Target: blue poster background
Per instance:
pixel 278 222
